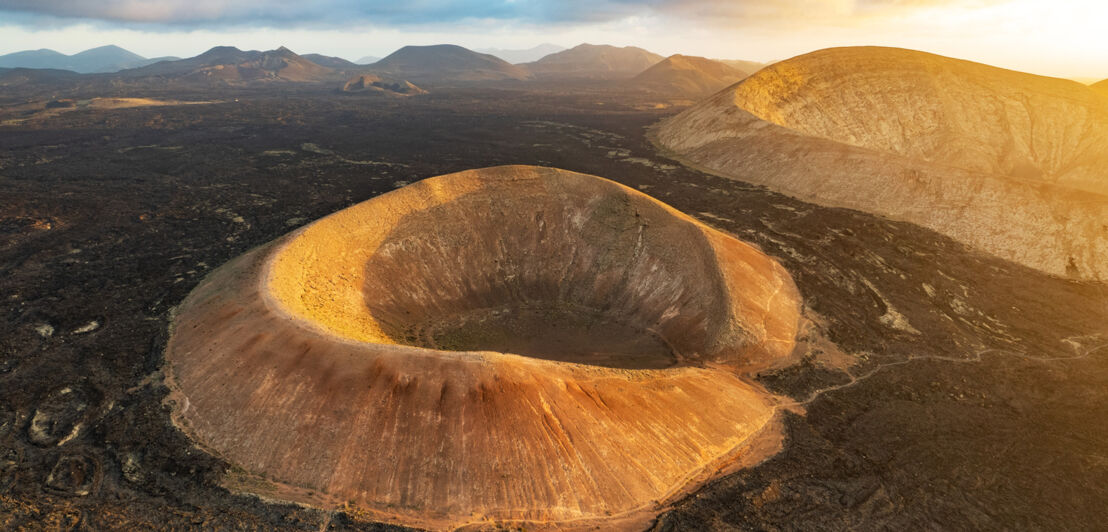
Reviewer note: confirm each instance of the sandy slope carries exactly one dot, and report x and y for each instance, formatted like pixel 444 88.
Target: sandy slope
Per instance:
pixel 1011 163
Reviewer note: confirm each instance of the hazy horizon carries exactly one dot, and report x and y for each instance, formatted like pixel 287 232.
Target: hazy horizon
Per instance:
pixel 1032 36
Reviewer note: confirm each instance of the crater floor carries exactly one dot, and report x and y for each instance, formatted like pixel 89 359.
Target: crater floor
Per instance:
pixel 578 336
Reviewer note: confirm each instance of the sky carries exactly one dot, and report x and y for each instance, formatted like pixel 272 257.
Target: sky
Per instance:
pixel 1064 38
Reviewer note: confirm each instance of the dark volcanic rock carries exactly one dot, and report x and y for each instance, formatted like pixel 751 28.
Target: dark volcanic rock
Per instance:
pixel 74 474
pixel 60 416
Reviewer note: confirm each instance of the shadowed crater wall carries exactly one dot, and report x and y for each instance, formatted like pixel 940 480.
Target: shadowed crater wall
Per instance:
pixel 517 343
pixel 604 278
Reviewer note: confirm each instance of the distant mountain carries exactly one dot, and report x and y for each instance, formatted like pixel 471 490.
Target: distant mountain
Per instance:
pixel 446 62
pixel 106 59
pixel 368 60
pixel 524 56
pixel 330 61
pixel 595 61
pixel 683 75
pixel 229 65
pixel 749 67
pixel 109 58
pixel 35 59
pixel 375 83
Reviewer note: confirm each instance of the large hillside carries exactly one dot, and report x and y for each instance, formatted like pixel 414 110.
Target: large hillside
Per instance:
pixel 595 61
pixel 1012 163
pixel 1101 86
pixel 938 109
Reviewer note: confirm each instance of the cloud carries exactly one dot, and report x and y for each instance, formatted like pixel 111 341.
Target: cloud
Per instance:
pixel 295 12
pixel 1029 35
pixel 346 12
pixel 254 12
pixel 804 12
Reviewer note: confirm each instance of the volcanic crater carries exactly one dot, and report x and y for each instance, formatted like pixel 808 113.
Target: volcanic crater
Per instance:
pixel 513 343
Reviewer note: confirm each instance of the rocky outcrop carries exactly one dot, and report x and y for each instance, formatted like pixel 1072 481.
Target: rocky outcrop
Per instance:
pixel 375 83
pixel 688 76
pixel 508 344
pixel 1011 163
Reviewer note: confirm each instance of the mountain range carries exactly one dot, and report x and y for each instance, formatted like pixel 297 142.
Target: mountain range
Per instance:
pixel 109 58
pixel 677 76
pixel 229 65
